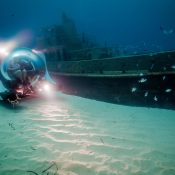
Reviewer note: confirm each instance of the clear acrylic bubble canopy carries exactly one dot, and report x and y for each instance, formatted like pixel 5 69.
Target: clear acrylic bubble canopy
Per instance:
pixel 37 60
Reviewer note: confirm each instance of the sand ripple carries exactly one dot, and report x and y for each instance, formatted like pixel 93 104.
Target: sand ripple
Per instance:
pixel 76 136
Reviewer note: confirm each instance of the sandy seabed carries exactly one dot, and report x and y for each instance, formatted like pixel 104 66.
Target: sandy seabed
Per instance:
pixel 70 135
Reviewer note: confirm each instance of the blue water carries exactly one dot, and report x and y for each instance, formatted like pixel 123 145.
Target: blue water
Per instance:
pixel 126 23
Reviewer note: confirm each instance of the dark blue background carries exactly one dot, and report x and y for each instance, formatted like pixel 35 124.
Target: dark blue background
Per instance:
pixel 118 22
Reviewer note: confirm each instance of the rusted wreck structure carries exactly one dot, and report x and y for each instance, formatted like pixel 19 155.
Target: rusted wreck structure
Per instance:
pixel 141 80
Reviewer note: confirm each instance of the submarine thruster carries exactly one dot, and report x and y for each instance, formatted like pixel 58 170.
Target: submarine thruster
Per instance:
pixel 23 73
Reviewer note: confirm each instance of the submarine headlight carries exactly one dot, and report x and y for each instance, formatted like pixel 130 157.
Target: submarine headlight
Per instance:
pixel 46 90
pixel 46 87
pixel 3 51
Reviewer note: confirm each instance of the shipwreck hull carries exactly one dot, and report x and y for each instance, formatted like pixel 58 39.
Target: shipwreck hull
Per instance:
pixel 137 80
pixel 157 90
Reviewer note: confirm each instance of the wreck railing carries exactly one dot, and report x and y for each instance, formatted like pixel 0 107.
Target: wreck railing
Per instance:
pixel 160 62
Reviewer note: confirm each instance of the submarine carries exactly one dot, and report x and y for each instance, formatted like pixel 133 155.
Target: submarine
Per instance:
pixel 23 73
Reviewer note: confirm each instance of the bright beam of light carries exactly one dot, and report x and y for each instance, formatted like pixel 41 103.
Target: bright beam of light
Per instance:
pixel 46 87
pixel 6 47
pixel 3 51
pixel 47 90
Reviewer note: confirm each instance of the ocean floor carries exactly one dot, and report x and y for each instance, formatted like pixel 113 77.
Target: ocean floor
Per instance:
pixel 69 135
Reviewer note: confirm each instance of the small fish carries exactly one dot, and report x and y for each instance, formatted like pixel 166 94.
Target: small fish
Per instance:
pixel 133 89
pixel 152 66
pixel 168 90
pixel 155 98
pixel 143 80
pixel 141 74
pixel 173 66
pixel 164 68
pixel 146 94
pixel 166 31
pixel 164 77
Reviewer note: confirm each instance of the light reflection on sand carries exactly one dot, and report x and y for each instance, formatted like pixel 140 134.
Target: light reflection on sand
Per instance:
pixel 73 135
